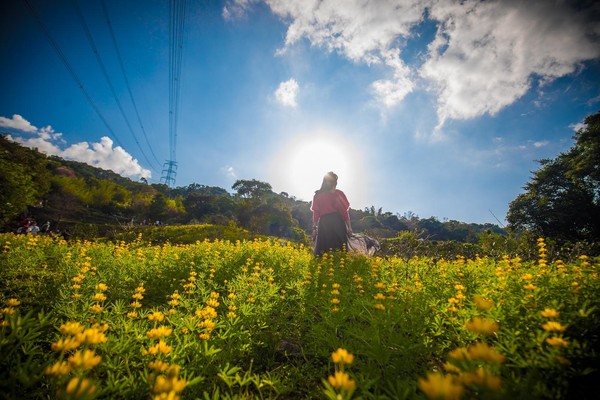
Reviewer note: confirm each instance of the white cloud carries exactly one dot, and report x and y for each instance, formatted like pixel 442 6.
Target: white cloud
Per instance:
pixel 229 172
pixel 540 143
pixel 17 122
pixel 287 92
pixel 485 54
pixel 578 126
pixel 101 154
pixel 483 58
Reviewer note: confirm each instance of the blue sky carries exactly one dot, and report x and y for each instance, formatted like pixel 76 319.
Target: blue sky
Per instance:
pixel 440 108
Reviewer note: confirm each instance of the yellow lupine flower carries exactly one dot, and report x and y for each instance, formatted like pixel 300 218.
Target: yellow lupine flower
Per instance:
pixel 212 303
pixel 66 344
pixel 379 296
pixel 481 351
pixel 165 384
pixel 79 387
pixel 335 301
pixel 557 342
pixel 530 286
pixel 341 381
pixel 137 296
pixel 342 356
pixel 482 303
pixel 99 297
pixel 132 314
pixel 158 365
pixel 439 386
pixel 482 378
pixel 97 308
pixel 379 306
pixel 12 302
pixel 85 359
pixel 71 328
pixel 58 368
pixel 157 333
pixel 204 336
pixel 101 286
pixel 160 347
pixel 92 336
pixel 549 313
pixel 459 354
pixel 156 316
pixel 553 326
pixel 482 326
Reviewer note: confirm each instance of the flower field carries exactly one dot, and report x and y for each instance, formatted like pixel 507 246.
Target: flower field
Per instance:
pixel 265 319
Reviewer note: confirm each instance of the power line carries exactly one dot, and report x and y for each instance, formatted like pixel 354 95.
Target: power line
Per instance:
pixel 120 59
pixel 106 77
pixel 66 63
pixel 177 11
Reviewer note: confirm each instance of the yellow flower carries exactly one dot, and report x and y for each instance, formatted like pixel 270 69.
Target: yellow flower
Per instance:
pixel 85 359
pixel 204 336
pixel 12 302
pixel 132 314
pixel 71 328
pixel 160 347
pixel 58 368
pixel 530 286
pixel 483 304
pixel 552 326
pixel 527 277
pixel 481 351
pixel 136 304
pixel 92 336
pixel 482 326
pixel 342 356
pixel 66 344
pixel 79 387
pixel 158 365
pixel 214 295
pixel 482 378
pixel 341 381
pixel 97 308
pixel 459 354
pixel 459 287
pixel 101 286
pixel 335 301
pixel 212 303
pixel 137 296
pixel 165 384
pixel 99 297
pixel 156 316
pixel 549 313
pixel 157 333
pixel 439 386
pixel 379 296
pixel 557 342
pixel 379 306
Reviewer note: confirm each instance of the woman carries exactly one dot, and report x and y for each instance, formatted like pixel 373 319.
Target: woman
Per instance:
pixel 331 220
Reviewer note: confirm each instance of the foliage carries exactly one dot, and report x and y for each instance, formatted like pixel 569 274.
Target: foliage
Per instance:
pixel 562 199
pixel 265 319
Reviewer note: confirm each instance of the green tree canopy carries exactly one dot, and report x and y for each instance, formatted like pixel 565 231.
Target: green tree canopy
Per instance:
pixel 562 199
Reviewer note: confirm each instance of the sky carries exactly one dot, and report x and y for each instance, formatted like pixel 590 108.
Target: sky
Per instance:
pixel 437 108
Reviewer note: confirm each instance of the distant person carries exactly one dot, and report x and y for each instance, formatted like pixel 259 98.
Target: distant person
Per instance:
pixel 33 229
pixel 331 220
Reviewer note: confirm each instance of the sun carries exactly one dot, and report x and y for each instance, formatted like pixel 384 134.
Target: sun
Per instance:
pixel 308 158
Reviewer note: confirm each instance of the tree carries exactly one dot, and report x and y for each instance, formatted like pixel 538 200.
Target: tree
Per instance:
pixel 562 199
pixel 252 189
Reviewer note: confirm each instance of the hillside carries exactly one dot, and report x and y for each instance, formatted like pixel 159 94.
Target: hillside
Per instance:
pixel 87 202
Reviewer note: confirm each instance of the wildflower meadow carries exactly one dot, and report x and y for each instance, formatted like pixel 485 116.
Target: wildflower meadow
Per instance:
pixel 264 319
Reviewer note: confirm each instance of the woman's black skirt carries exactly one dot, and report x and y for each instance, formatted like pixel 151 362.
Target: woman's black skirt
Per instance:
pixel 331 234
